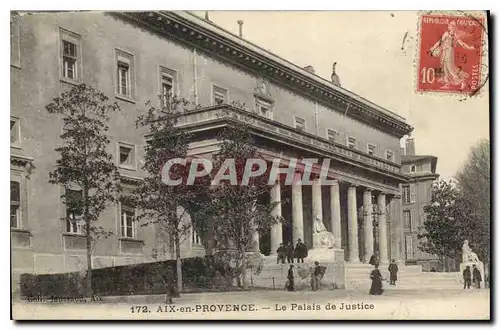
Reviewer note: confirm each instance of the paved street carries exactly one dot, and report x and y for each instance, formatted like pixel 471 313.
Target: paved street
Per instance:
pixel 334 305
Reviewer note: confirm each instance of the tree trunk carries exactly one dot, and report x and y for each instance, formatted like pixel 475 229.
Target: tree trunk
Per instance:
pixel 178 262
pixel 88 284
pixel 244 278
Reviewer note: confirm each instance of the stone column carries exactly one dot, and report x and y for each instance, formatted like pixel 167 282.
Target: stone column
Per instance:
pixel 368 224
pixel 297 213
pixel 382 230
pixel 276 229
pixel 335 214
pixel 317 207
pixel 352 215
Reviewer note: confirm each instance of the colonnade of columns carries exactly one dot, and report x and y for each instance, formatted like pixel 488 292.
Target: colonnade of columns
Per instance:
pixel 335 215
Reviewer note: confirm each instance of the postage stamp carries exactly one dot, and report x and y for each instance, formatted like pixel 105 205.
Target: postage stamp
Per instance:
pixel 450 53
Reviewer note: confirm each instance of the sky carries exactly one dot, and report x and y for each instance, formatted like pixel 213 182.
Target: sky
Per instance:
pixel 376 55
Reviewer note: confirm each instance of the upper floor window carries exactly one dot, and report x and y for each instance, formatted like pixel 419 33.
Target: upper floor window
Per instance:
pixel 167 85
pixel 408 194
pixel 70 56
pixel 15 41
pixel 331 135
pixel 371 149
pixel 389 155
pixel 407 219
pixel 127 216
pixel 351 142
pixel 195 238
pixel 413 168
pixel 74 215
pixel 126 155
pixel 264 108
pixel 15 132
pixel 125 77
pixel 15 204
pixel 300 123
pixel 219 95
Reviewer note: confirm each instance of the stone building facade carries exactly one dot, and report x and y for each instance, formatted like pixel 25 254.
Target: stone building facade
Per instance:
pixel 416 194
pixel 132 58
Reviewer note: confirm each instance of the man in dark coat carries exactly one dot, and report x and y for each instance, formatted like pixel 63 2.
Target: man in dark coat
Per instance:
pixel 281 254
pixel 291 284
pixel 373 260
pixel 300 251
pixel 289 253
pixel 467 277
pixel 476 277
pixel 393 271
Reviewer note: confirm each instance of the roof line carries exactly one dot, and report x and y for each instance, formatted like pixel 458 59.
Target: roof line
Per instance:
pixel 232 37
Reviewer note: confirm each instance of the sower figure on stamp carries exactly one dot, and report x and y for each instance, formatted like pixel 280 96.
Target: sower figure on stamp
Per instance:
pixel 300 251
pixel 393 271
pixel 476 277
pixel 467 277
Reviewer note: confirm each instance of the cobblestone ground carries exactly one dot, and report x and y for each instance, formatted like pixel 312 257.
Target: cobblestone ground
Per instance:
pixel 332 305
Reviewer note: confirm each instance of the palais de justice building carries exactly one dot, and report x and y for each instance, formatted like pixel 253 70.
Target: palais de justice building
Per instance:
pixel 132 57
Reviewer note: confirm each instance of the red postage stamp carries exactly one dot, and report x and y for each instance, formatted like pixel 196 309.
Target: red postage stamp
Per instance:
pixel 450 54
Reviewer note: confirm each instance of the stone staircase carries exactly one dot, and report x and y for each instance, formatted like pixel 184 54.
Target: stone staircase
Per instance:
pixel 409 277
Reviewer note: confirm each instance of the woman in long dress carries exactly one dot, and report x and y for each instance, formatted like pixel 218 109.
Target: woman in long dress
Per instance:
pixel 376 277
pixel 444 48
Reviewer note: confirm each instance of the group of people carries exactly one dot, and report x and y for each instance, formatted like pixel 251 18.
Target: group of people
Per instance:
pixel 289 253
pixel 376 276
pixel 316 276
pixel 475 278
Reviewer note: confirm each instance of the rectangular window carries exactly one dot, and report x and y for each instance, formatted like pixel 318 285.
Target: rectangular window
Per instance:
pixel 126 155
pixel 389 155
pixel 406 195
pixel 371 149
pixel 331 135
pixel 407 219
pixel 15 204
pixel 195 238
pixel 351 142
pixel 15 40
pixel 127 216
pixel 167 85
pixel 74 214
pixel 220 95
pixel 125 75
pixel 264 108
pixel 413 168
pixel 409 247
pixel 70 56
pixel 15 132
pixel 300 123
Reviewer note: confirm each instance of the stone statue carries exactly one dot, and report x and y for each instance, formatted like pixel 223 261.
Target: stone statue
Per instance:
pixel 319 226
pixel 322 238
pixel 467 254
pixel 335 78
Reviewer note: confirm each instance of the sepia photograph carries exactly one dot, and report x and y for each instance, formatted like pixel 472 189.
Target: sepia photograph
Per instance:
pixel 250 165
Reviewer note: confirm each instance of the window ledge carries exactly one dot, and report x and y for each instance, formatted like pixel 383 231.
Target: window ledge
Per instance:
pixel 124 98
pixel 16 146
pixel 129 239
pixel 74 235
pixel 127 167
pixel 20 230
pixel 69 81
pixel 197 247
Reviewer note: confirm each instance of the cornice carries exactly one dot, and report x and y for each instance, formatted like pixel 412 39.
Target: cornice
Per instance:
pixel 188 29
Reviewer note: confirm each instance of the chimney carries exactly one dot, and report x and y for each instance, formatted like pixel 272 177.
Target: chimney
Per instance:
pixel 206 17
pixel 309 68
pixel 240 23
pixel 335 78
pixel 410 147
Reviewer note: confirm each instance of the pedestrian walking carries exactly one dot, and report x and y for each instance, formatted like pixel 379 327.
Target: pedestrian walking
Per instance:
pixel 316 276
pixel 376 277
pixel 281 254
pixel 393 271
pixel 300 251
pixel 476 277
pixel 467 277
pixel 290 282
